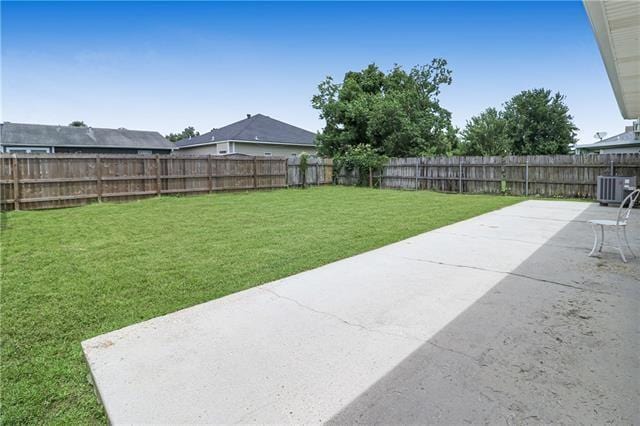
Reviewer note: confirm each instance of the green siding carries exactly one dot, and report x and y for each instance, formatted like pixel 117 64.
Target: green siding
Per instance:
pixel 275 150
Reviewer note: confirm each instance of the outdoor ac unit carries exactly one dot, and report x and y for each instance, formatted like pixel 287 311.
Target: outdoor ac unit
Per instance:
pixel 611 189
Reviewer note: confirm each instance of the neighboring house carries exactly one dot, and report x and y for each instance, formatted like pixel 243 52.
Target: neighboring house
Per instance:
pixel 255 135
pixel 43 139
pixel 627 142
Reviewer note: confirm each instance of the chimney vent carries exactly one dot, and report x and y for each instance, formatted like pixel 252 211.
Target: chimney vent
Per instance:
pixel 248 115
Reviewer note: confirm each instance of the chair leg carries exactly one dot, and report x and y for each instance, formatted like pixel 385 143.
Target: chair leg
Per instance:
pixel 626 240
pixel 620 244
pixel 595 240
pixel 601 238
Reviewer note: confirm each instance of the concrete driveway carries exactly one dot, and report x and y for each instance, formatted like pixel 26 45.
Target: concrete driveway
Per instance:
pixel 500 318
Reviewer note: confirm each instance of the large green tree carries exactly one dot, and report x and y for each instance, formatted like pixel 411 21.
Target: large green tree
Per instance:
pixel 186 133
pixel 533 122
pixel 538 122
pixel 396 113
pixel 485 135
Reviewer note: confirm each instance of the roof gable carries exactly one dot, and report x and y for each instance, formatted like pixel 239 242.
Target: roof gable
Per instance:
pixel 47 135
pixel 257 128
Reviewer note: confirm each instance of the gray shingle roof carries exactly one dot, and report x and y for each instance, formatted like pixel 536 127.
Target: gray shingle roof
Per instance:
pixel 265 129
pixel 626 138
pixel 46 135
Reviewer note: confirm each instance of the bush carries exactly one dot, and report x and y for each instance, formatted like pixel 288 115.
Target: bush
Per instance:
pixel 362 158
pixel 304 165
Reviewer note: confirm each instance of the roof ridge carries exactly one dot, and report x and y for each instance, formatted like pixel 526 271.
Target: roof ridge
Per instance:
pixel 221 128
pixel 283 122
pixel 248 120
pixel 257 127
pixel 79 127
pixel 56 135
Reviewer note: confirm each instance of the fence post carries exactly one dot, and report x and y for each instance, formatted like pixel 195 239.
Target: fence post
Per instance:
pixel 99 178
pixel 611 168
pixel 526 178
pixel 370 178
pixel 210 172
pixel 158 185
pixel 16 182
pixel 460 175
pixel 417 171
pixel 286 172
pixel 255 171
pixel 503 175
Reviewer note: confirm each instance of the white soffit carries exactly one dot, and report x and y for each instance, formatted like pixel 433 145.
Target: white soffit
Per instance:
pixel 616 25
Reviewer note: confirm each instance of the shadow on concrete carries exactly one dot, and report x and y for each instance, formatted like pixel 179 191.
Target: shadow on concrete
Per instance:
pixel 556 341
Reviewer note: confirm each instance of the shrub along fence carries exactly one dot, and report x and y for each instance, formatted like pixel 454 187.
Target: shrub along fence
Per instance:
pixel 37 181
pixel 544 175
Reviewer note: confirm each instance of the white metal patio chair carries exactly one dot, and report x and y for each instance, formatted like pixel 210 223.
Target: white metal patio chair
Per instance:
pixel 620 224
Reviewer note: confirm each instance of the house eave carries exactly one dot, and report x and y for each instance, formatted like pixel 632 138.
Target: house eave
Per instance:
pixel 620 56
pixel 245 141
pixel 613 145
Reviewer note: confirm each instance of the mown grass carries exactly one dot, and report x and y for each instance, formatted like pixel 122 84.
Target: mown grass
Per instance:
pixel 71 274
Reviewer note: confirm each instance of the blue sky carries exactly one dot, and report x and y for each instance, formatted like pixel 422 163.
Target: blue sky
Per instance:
pixel 163 66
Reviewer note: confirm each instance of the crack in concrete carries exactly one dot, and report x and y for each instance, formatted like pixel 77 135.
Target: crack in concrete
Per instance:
pixel 479 237
pixel 336 317
pixel 364 328
pixel 515 274
pixel 243 418
pixel 444 348
pixel 544 218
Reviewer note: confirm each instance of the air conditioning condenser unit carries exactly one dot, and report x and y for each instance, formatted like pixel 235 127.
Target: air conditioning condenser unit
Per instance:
pixel 611 189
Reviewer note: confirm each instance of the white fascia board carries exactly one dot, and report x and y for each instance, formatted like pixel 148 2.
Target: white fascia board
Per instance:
pixel 600 25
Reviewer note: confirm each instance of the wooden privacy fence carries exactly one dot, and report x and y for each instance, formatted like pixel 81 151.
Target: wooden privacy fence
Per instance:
pixel 545 175
pixel 39 181
pixel 31 181
pixel 319 171
pixel 35 181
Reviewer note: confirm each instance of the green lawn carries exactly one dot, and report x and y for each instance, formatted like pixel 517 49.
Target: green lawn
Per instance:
pixel 71 274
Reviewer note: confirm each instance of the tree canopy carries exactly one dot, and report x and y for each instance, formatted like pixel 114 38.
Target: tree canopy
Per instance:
pixel 395 113
pixel 533 122
pixel 539 123
pixel 77 123
pixel 186 133
pixel 485 135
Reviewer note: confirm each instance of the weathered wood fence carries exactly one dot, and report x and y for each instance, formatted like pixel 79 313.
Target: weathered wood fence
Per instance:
pixel 36 181
pixel 545 175
pixel 32 181
pixel 319 171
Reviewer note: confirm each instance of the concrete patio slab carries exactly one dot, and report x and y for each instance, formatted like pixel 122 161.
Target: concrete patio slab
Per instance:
pixel 410 332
